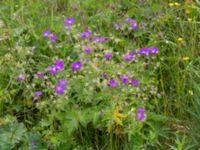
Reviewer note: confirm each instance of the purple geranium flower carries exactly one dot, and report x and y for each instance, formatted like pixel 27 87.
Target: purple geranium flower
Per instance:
pixel 52 37
pixel 140 116
pixel 85 34
pixel 148 50
pixel 87 49
pixel 124 78
pixel 141 113
pixel 38 93
pixel 144 51
pixel 46 33
pixel 21 77
pixel 134 81
pixel 59 89
pixel 33 143
pixel 97 39
pixel 108 55
pixel 40 74
pixel 52 69
pixel 113 83
pixel 68 21
pixel 59 64
pixel 76 65
pixel 129 56
pixel 141 110
pixel 153 50
pixel 133 23
pixel 100 39
pixel 63 82
pixel 105 75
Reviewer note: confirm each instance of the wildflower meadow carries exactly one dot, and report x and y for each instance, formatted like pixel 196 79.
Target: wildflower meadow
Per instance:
pixel 99 75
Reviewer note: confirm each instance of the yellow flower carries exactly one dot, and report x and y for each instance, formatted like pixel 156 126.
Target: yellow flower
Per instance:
pixel 189 19
pixel 180 39
pixel 171 4
pixel 190 92
pixel 186 58
pixel 133 109
pixel 117 116
pixel 176 4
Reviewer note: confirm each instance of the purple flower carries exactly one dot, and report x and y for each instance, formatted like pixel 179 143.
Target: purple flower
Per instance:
pixel 141 113
pixel 129 56
pixel 141 110
pixel 76 65
pixel 60 89
pixel 33 143
pixel 85 34
pixel 134 81
pixel 21 77
pixel 104 38
pixel 124 78
pixel 87 49
pixel 153 50
pixel 97 39
pixel 38 93
pixel 52 37
pixel 112 83
pixel 133 23
pixel 128 20
pixel 63 82
pixel 40 74
pixel 108 55
pixel 100 39
pixel 68 21
pixel 46 33
pixel 140 116
pixel 59 64
pixel 148 50
pixel 105 75
pixel 144 51
pixel 52 69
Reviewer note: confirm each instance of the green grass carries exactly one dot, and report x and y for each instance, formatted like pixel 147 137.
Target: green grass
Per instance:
pixel 173 121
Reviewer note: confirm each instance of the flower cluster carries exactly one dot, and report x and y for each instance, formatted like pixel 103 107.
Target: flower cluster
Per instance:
pixel 141 113
pixel 125 79
pixel 50 35
pixel 100 39
pixel 149 50
pixel 112 82
pixel 58 65
pixel 85 34
pixel 61 86
pixel 129 56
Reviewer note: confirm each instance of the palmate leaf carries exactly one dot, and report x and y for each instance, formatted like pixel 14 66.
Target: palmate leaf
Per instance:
pixel 11 134
pixel 74 118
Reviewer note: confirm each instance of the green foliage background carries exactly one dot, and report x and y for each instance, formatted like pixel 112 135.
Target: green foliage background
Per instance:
pixel 173 120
